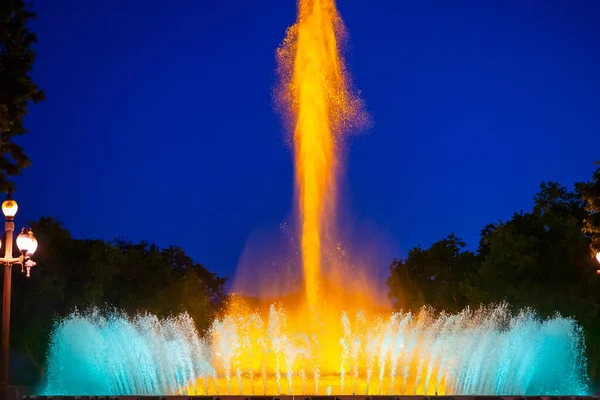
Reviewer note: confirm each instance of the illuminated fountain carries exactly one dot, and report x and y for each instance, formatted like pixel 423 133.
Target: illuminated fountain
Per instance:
pixel 333 339
pixel 487 352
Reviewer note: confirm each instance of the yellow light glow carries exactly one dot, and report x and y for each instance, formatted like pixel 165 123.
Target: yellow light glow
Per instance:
pixel 33 245
pixel 315 96
pixel 333 338
pixel 598 256
pixel 303 335
pixel 280 352
pixel 9 208
pixel 26 242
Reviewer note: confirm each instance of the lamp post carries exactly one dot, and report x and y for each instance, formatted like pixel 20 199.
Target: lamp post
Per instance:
pixel 27 245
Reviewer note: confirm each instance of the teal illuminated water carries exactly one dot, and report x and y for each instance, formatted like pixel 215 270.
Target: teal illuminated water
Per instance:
pixel 489 352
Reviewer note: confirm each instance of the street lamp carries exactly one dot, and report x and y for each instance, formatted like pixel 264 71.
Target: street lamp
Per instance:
pixel 27 245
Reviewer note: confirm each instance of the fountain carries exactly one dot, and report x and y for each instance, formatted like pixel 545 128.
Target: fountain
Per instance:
pixel 483 352
pixel 333 340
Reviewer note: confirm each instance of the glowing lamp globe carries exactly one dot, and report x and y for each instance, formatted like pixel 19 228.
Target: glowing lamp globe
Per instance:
pixel 9 208
pixel 26 242
pixel 598 257
pixel 34 244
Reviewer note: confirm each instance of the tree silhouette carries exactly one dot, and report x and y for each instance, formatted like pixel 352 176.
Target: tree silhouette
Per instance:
pixel 17 90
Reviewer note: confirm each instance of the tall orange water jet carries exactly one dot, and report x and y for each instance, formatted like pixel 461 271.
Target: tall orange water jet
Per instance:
pixel 314 94
pixel 346 343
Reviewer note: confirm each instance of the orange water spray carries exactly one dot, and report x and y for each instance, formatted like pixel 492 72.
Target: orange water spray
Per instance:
pixel 307 345
pixel 343 343
pixel 315 96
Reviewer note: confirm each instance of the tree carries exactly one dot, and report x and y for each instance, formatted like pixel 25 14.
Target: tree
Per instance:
pixel 590 193
pixel 131 277
pixel 432 276
pixel 36 301
pixel 538 259
pixel 17 90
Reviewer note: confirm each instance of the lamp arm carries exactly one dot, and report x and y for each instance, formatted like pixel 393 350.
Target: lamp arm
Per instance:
pixel 12 260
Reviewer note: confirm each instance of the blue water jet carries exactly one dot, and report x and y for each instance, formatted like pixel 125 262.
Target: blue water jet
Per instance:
pixel 487 352
pixel 92 354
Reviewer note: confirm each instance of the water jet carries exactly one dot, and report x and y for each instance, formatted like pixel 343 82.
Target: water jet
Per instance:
pixel 323 342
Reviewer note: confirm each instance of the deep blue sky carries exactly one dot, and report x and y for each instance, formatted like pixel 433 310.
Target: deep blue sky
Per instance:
pixel 159 124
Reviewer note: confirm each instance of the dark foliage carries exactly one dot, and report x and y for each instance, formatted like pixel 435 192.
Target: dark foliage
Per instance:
pixel 543 259
pixel 17 90
pixel 133 277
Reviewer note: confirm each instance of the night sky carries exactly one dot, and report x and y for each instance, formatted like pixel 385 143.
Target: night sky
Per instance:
pixel 159 122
